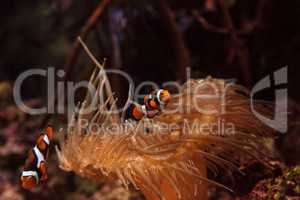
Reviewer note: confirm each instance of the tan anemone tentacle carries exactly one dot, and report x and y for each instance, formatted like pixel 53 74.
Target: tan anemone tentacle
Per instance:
pixel 172 165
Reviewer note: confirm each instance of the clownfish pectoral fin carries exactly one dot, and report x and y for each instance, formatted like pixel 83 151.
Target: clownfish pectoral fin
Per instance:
pixel 41 144
pixel 153 104
pixel 137 113
pixel 43 170
pixel 40 139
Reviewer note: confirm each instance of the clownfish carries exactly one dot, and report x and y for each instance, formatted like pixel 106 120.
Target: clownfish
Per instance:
pixel 153 105
pixel 35 170
pixel 157 99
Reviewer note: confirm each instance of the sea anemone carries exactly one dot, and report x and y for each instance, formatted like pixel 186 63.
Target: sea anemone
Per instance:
pixel 166 163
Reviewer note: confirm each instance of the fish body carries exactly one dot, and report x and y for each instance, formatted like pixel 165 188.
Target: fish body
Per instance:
pixel 35 170
pixel 153 105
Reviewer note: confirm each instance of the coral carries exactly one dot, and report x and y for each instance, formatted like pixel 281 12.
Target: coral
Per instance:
pixel 285 186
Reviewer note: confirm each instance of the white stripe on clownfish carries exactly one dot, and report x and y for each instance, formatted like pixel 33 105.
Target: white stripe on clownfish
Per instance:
pixel 31 173
pixel 158 97
pixel 46 139
pixel 144 110
pixel 39 155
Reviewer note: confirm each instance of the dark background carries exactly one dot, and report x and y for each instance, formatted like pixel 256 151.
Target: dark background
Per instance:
pixel 39 34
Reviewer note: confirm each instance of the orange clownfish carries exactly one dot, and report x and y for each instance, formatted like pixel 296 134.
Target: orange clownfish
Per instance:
pixel 153 105
pixel 35 170
pixel 157 99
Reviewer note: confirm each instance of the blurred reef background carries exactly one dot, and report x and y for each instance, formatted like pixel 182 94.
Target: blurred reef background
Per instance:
pixel 151 40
